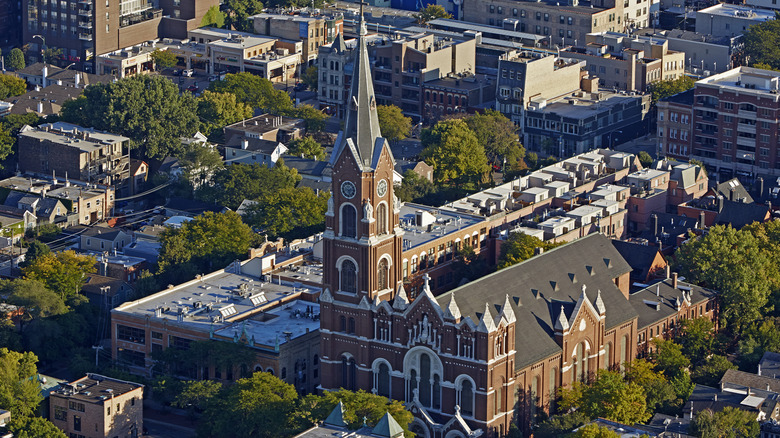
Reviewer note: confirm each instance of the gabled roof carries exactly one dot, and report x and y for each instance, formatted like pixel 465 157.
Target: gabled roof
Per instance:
pixel 539 287
pixel 103 233
pixel 339 44
pixel 739 191
pixel 750 380
pixel 640 257
pixel 739 214
pixel 657 302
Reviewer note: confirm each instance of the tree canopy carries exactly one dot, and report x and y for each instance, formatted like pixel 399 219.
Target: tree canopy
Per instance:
pixel 762 43
pixel 35 249
pixel 307 147
pixel 392 123
pixel 431 12
pixel 19 391
pixel 213 18
pixel 519 247
pixel 455 154
pixel 147 109
pixel 608 396
pixel 292 213
pixel 163 58
pixel 11 86
pixel 311 78
pixel 199 163
pixel 498 136
pixel 34 297
pixel 209 242
pixel 254 91
pixel 64 272
pixel 15 59
pixel 238 181
pixel 238 13
pixel 729 423
pixel 217 110
pixel 670 87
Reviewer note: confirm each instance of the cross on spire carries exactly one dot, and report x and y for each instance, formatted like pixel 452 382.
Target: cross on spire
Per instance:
pixel 362 23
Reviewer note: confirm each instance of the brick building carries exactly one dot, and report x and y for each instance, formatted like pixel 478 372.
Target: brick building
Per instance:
pixel 313 30
pixel 480 356
pixel 76 152
pixel 728 121
pixel 97 406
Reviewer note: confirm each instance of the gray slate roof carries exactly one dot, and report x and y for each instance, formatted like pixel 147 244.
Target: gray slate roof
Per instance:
pixel 639 256
pixel 739 214
pixel 539 286
pixel 750 380
pixel 667 297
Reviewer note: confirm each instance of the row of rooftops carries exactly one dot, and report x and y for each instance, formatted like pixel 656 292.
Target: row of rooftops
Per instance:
pixel 70 135
pixel 63 188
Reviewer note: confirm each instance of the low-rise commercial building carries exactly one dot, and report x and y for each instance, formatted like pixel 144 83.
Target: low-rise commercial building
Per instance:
pixel 704 52
pixel 729 20
pixel 312 30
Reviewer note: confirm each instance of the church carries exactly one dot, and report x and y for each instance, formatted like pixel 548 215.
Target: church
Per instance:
pixel 473 360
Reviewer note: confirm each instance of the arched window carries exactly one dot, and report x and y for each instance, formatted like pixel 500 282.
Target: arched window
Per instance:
pixel 381 219
pixel 425 380
pixel 244 371
pixel 348 221
pixel 436 392
pixel 271 371
pixel 382 274
pixel 383 380
pixel 467 397
pixel 551 387
pixel 348 276
pixel 498 399
pixel 412 384
pixel 348 369
pixel 258 368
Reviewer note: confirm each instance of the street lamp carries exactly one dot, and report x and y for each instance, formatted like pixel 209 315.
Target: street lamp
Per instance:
pixel 43 58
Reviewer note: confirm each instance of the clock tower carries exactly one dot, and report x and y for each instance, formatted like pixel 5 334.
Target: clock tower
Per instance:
pixel 362 242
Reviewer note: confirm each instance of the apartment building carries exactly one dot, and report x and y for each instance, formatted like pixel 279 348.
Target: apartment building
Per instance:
pixel 524 75
pixel 584 121
pixel 402 67
pixel 86 203
pixel 80 153
pixel 675 126
pixel 728 20
pixel 457 94
pixel 562 24
pixel 10 24
pixel 97 406
pixel 313 30
pixel 732 123
pixel 704 52
pixel 628 63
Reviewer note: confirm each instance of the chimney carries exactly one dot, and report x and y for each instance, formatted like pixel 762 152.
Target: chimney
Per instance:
pixel 716 397
pixel 759 369
pixel 691 417
pixel 668 272
pixel 40 108
pixel 77 79
pixel 244 143
pixel 720 203
pixel 44 73
pixel 674 280
pixel 731 194
pixel 760 182
pixel 702 223
pixel 654 218
pixel 59 81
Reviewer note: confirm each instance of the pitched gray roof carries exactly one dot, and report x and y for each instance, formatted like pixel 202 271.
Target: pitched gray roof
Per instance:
pixel 639 256
pixel 339 43
pixel 750 380
pixel 538 287
pixel 665 296
pixel 726 188
pixel 739 214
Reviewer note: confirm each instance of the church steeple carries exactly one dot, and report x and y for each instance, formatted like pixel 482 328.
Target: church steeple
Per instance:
pixel 361 127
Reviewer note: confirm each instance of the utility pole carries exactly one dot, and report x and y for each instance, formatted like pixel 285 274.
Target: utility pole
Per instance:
pixel 97 349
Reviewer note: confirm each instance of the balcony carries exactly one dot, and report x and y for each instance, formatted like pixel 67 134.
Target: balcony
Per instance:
pixel 85 36
pixel 85 2
pixel 85 25
pixel 746 114
pixel 85 13
pixel 750 129
pixel 749 142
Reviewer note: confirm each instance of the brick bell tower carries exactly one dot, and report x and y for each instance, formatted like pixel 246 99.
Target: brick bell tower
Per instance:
pixel 362 242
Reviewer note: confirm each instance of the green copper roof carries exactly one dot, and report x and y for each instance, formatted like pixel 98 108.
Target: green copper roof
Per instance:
pixel 336 416
pixel 388 427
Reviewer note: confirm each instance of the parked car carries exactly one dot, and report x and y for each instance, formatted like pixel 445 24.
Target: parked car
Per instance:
pixel 193 88
pixel 300 86
pixel 176 72
pixel 189 72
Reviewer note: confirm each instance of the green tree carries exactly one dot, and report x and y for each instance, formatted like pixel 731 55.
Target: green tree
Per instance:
pixel 307 147
pixel 729 423
pixel 7 142
pixel 314 118
pixel 731 262
pixel 11 86
pixel 455 154
pixel 560 425
pixel 254 91
pixel 762 43
pixel 147 109
pixel 698 335
pixel 209 242
pixel 711 370
pixel 311 78
pixel 15 59
pixel 392 123
pixel 593 430
pixel 758 338
pixel 292 213
pixel 669 360
pixel 34 297
pixel 238 181
pixel 199 163
pixel 608 396
pixel 669 87
pixel 519 247
pixel 195 395
pixel 35 249
pixel 659 393
pixel 431 12
pixel 63 273
pixel 359 406
pixel 213 18
pixel 50 53
pixel 217 110
pixel 239 11
pixel 164 59
pixel 498 136
pixel 35 427
pixel 260 406
pixel 645 159
pixel 413 187
pixel 19 391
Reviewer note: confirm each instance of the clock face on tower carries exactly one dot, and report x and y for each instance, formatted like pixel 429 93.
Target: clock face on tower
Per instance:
pixel 348 189
pixel 381 188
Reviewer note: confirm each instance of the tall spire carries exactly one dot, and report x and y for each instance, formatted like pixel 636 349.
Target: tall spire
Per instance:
pixel 362 122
